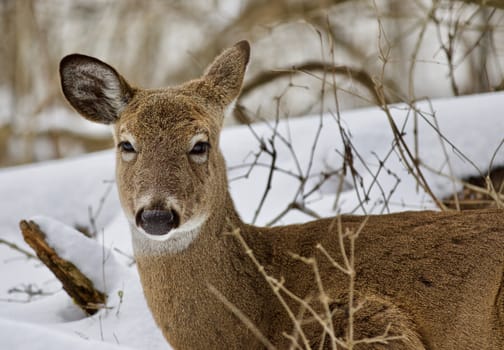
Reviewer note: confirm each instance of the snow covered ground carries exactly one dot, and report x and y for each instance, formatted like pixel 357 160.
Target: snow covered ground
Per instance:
pixel 69 193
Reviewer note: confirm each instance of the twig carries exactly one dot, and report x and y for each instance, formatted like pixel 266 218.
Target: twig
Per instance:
pixel 243 318
pixel 274 284
pixel 323 297
pixel 18 249
pixel 120 294
pixel 443 147
pixel 448 49
pixel 131 258
pixel 31 290
pixel 266 77
pixel 273 153
pixel 93 216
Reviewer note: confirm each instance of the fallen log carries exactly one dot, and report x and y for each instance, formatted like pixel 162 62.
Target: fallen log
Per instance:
pixel 77 285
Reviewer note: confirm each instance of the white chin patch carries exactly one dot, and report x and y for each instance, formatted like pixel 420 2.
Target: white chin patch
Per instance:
pixel 174 241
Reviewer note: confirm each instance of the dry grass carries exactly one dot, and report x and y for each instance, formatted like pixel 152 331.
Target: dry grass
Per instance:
pixel 328 337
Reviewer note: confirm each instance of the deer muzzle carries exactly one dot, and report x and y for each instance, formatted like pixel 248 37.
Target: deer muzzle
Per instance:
pixel 157 222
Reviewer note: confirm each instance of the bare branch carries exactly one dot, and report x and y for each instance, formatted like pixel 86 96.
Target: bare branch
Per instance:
pixel 361 76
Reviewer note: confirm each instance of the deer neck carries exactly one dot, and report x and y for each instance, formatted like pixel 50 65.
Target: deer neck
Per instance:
pixel 176 285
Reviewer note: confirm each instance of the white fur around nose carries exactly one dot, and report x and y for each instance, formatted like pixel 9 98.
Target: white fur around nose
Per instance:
pixel 147 199
pixel 173 242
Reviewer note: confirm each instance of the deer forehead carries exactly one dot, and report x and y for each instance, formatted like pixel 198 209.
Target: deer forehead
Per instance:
pixel 164 117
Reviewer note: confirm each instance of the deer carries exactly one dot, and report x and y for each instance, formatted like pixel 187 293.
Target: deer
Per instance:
pixel 425 279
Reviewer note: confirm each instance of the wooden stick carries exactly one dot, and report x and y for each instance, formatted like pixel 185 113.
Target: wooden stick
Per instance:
pixel 78 286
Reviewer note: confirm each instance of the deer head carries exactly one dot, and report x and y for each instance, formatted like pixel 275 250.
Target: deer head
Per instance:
pixel 169 170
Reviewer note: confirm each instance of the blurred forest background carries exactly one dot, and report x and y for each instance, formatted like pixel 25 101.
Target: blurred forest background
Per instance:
pixel 366 53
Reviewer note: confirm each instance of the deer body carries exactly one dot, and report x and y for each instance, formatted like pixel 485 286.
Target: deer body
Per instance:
pixel 421 272
pixel 434 279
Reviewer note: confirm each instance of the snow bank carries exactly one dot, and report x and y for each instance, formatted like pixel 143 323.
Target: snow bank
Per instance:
pixel 472 124
pixel 65 190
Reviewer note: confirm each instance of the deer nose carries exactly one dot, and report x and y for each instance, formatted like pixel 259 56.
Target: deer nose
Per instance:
pixel 157 222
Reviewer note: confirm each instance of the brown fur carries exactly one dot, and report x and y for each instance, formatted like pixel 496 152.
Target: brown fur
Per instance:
pixel 435 278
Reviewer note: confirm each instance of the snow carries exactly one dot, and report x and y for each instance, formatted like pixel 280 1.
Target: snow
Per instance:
pixel 124 320
pixel 61 195
pixel 37 337
pixel 73 246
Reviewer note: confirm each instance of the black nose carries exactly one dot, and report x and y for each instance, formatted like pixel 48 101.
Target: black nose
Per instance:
pixel 157 221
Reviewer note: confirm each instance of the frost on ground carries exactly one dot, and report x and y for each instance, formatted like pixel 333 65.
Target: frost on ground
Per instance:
pixel 36 314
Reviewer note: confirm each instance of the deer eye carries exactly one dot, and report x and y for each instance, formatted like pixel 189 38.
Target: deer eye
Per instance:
pixel 126 146
pixel 200 148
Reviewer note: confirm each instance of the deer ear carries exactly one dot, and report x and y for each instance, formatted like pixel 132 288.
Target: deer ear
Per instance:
pixel 94 88
pixel 227 71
